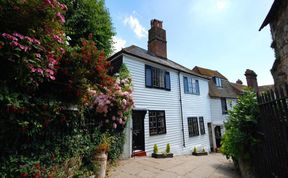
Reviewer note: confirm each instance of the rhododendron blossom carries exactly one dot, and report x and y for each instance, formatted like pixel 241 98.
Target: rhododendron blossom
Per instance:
pixel 60 17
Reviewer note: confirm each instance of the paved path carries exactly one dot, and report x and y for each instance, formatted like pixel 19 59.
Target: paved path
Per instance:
pixel 213 166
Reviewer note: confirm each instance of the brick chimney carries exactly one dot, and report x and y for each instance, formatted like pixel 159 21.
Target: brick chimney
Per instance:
pixel 157 43
pixel 251 78
pixel 239 82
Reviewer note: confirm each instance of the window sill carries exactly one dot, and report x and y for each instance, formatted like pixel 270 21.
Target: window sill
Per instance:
pixel 157 134
pixel 191 136
pixel 159 88
pixel 192 93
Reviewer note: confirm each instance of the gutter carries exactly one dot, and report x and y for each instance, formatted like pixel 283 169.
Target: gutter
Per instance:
pixel 174 68
pixel 181 110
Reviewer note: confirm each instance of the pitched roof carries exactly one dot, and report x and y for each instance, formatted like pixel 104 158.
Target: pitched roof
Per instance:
pixel 239 88
pixel 144 54
pixel 265 88
pixel 272 13
pixel 208 72
pixel 226 91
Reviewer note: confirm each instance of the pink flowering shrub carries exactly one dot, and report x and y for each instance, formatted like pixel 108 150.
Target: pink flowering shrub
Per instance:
pixel 41 129
pixel 113 105
pixel 31 40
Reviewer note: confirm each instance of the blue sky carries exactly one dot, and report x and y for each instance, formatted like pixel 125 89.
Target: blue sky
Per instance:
pixel 216 34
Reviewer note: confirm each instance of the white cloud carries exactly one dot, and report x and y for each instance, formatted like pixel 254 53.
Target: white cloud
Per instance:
pixel 135 25
pixel 118 43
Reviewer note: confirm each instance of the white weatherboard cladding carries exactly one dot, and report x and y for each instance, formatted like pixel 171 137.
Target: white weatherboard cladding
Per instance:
pixel 157 99
pixel 217 116
pixel 196 106
pixel 216 110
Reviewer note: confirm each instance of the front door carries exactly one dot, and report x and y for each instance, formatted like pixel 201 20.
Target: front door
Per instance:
pixel 138 142
pixel 218 136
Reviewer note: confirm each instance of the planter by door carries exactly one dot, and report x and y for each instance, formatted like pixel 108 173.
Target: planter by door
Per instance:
pixel 138 140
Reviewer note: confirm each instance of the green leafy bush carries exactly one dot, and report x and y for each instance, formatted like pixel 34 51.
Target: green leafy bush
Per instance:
pixel 155 149
pixel 239 139
pixel 168 148
pixel 45 94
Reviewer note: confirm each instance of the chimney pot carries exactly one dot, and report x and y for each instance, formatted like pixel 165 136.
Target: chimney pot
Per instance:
pixel 156 23
pixel 239 82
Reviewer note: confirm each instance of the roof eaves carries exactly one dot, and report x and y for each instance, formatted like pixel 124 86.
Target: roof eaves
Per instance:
pixel 191 73
pixel 271 13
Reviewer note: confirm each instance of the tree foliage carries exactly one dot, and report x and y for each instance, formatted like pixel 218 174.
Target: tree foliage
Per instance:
pixel 240 129
pixel 86 17
pixel 46 89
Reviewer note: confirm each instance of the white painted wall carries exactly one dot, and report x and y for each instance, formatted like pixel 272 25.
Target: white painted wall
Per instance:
pixel 217 116
pixel 157 99
pixel 195 106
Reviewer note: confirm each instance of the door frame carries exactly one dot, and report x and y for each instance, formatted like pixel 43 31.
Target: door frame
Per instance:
pixel 142 114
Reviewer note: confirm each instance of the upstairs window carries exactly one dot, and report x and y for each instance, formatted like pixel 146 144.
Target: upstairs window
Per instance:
pixel 224 106
pixel 191 86
pixel 157 78
pixel 218 81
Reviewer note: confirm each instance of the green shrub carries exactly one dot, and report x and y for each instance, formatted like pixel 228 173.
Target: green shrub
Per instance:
pixel 155 149
pixel 116 146
pixel 168 148
pixel 239 139
pixel 194 150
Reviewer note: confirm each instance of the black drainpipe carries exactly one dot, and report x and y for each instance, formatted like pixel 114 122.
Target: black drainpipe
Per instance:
pixel 181 109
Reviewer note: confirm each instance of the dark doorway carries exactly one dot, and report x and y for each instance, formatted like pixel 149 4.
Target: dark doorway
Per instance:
pixel 138 141
pixel 218 136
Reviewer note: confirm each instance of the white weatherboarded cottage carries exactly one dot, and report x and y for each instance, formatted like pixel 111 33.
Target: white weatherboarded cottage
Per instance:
pixel 172 103
pixel 223 97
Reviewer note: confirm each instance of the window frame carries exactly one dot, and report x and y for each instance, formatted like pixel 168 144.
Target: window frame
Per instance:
pixel 157 123
pixel 218 82
pixel 157 78
pixel 224 106
pixel 191 85
pixel 193 130
pixel 202 125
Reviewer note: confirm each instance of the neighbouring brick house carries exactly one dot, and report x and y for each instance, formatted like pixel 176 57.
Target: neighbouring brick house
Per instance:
pixel 278 20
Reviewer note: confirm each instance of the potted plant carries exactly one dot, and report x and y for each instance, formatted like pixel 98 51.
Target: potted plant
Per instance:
pixel 199 152
pixel 101 156
pixel 165 154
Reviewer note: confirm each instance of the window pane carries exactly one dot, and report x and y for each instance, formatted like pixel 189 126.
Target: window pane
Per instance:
pixel 197 87
pixel 202 127
pixel 185 80
pixel 155 77
pixel 193 126
pixel 224 105
pixel 161 78
pixel 189 85
pixel 148 76
pixel 167 80
pixel 157 123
